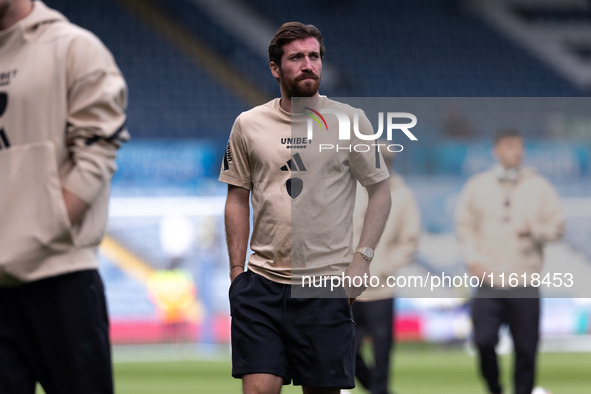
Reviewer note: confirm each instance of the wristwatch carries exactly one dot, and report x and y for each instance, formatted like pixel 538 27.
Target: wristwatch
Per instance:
pixel 366 252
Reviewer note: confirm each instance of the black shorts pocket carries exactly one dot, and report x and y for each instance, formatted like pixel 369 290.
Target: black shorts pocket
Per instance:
pixel 235 282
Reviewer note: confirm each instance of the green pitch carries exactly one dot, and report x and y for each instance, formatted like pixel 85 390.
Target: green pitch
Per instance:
pixel 417 370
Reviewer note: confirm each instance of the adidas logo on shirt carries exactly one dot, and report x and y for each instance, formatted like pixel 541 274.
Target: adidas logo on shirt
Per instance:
pixel 294 185
pixel 295 164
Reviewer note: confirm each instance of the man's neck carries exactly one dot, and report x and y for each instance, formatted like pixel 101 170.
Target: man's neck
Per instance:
pixel 285 102
pixel 13 12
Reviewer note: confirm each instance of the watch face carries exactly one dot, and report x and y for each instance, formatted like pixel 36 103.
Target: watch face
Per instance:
pixel 366 252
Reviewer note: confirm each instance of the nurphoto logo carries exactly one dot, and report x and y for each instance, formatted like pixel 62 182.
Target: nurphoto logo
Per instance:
pixel 392 124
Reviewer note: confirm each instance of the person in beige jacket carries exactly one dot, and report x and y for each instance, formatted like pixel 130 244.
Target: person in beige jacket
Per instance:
pixel 62 103
pixel 504 218
pixel 373 311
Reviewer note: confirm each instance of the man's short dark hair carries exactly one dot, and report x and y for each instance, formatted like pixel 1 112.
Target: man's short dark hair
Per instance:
pixel 506 133
pixel 289 32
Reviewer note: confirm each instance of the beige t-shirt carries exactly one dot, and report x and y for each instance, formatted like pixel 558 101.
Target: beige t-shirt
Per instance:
pixel 302 198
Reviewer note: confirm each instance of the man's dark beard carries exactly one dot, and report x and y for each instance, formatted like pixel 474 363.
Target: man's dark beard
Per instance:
pixel 309 89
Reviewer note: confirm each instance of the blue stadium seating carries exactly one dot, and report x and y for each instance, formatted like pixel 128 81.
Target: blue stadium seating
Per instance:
pixel 419 48
pixel 382 48
pixel 169 97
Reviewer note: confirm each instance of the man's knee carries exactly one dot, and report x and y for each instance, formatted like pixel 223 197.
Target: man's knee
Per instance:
pixel 486 341
pixel 261 383
pixel 526 349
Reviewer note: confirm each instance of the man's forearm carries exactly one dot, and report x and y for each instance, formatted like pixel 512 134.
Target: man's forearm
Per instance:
pixel 376 215
pixel 237 221
pixel 378 208
pixel 237 229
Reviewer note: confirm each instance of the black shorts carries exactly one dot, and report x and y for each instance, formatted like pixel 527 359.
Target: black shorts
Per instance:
pixel 55 331
pixel 309 340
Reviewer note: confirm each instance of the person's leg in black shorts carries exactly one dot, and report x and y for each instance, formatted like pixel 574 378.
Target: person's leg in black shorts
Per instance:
pixel 258 352
pixel 375 320
pixel 487 317
pixel 16 373
pixel 277 338
pixel 320 337
pixel 55 331
pixel 381 332
pixel 362 321
pixel 524 322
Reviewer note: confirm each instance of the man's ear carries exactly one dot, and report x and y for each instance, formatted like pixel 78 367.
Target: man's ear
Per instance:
pixel 274 70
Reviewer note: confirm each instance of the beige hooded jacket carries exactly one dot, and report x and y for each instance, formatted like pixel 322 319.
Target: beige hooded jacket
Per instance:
pixel 491 211
pixel 62 102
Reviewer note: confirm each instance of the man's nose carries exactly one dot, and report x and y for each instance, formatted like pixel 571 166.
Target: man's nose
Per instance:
pixel 307 65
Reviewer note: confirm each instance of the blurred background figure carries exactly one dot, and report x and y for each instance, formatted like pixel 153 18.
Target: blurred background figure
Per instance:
pixel 172 289
pixel 504 218
pixel 373 311
pixel 174 294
